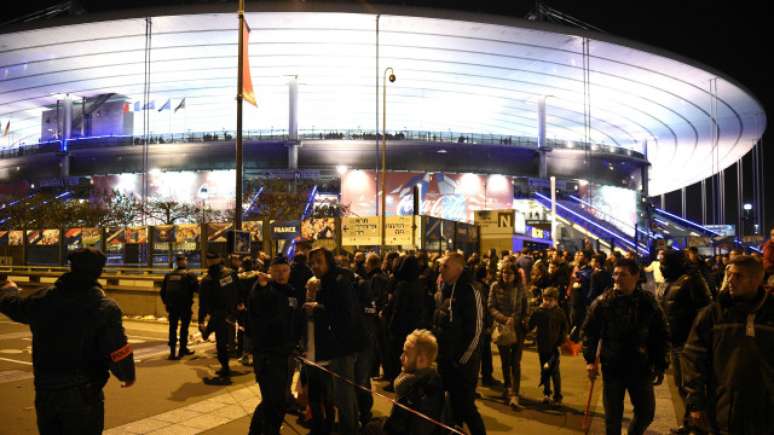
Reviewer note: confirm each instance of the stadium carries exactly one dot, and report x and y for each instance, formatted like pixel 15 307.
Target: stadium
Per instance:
pixel 483 111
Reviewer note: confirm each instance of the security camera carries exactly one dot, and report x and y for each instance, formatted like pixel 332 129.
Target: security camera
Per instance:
pixel 392 78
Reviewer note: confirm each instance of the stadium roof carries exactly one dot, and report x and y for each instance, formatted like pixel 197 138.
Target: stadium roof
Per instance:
pixel 455 72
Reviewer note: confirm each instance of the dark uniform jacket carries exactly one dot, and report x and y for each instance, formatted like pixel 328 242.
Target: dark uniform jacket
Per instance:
pixel 405 307
pixel 178 288
pixel 682 300
pixel 728 365
pixel 633 331
pixel 274 318
pixel 219 294
pixel 372 294
pixel 336 330
pixel 459 321
pixel 77 335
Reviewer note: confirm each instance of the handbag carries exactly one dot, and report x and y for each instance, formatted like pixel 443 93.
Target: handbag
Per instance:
pixel 503 335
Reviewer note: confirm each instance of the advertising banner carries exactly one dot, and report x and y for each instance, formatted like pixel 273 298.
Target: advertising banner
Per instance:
pixel 16 238
pixel 116 237
pixel 136 235
pixel 186 236
pixel 448 196
pixel 216 232
pixel 318 229
pixel 48 238
pixel 91 237
pixel 163 237
pixel 255 228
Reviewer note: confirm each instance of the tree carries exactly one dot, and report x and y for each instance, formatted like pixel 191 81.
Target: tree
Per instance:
pixel 122 210
pixel 169 212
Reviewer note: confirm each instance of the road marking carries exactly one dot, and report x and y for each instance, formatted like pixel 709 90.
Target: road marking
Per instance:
pixel 14 375
pixel 197 417
pixel 16 361
pixel 15 335
pixel 142 337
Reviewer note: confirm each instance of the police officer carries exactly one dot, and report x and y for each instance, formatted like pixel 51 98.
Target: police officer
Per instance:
pixel 274 316
pixel 77 341
pixel 218 297
pixel 634 339
pixel 177 292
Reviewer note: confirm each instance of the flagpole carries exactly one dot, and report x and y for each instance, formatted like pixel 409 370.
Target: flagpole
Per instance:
pixel 238 199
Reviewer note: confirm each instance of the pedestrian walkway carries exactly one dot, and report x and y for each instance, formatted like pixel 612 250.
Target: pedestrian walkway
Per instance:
pixel 170 397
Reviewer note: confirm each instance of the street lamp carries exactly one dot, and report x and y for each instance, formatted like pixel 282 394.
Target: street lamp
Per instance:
pixel 384 151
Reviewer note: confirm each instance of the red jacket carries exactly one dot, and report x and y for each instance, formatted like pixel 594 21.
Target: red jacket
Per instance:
pixel 768 256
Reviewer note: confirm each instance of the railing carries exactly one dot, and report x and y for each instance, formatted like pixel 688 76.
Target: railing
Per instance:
pixel 317 134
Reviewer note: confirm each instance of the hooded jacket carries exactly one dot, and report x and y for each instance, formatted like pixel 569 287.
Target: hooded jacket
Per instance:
pixel 77 335
pixel 728 365
pixel 459 321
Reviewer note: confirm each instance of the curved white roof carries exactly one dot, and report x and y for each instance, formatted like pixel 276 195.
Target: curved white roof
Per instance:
pixel 467 73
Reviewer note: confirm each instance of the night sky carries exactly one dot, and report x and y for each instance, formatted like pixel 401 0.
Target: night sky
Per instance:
pixel 732 37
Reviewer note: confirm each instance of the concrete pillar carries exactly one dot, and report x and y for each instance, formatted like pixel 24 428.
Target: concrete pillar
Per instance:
pixel 683 203
pixel 293 108
pixel 541 137
pixel 67 121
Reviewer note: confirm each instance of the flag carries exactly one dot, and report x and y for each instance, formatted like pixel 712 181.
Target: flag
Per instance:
pixel 149 106
pixel 125 107
pixel 166 106
pixel 247 82
pixel 7 128
pixel 180 105
pixel 137 106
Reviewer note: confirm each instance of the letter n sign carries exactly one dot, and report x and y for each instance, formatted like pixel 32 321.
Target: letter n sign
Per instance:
pixel 505 220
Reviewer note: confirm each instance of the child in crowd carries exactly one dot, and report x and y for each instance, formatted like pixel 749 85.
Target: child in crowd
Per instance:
pixel 552 329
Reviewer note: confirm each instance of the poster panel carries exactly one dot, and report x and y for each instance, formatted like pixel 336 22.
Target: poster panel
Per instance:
pixel 255 228
pixel 91 237
pixel 16 238
pixel 186 236
pixel 318 229
pixel 136 235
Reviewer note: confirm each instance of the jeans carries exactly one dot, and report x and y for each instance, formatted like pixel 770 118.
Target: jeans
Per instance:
pixel 643 400
pixel 486 357
pixel 510 356
pixel 344 394
pixel 460 382
pixel 552 375
pixel 271 373
pixel 677 370
pixel 72 411
pixel 321 400
pixel 182 316
pixel 363 365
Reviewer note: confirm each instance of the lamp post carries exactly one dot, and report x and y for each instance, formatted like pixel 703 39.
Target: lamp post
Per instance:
pixel 384 153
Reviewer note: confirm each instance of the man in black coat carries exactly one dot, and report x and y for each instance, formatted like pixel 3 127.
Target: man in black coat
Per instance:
pixel 685 294
pixel 177 291
pixel 634 338
pixel 728 360
pixel 273 314
pixel 372 288
pixel 77 341
pixel 219 293
pixel 458 325
pixel 404 308
pixel 338 333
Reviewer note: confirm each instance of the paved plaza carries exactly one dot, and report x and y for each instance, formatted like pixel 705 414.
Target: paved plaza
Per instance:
pixel 171 397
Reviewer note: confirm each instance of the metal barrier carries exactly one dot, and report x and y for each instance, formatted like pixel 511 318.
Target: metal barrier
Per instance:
pixel 135 290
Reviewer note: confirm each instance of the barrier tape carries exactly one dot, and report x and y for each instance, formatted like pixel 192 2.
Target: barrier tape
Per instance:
pixel 394 402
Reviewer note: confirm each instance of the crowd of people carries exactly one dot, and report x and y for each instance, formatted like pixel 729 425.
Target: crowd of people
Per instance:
pixel 425 326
